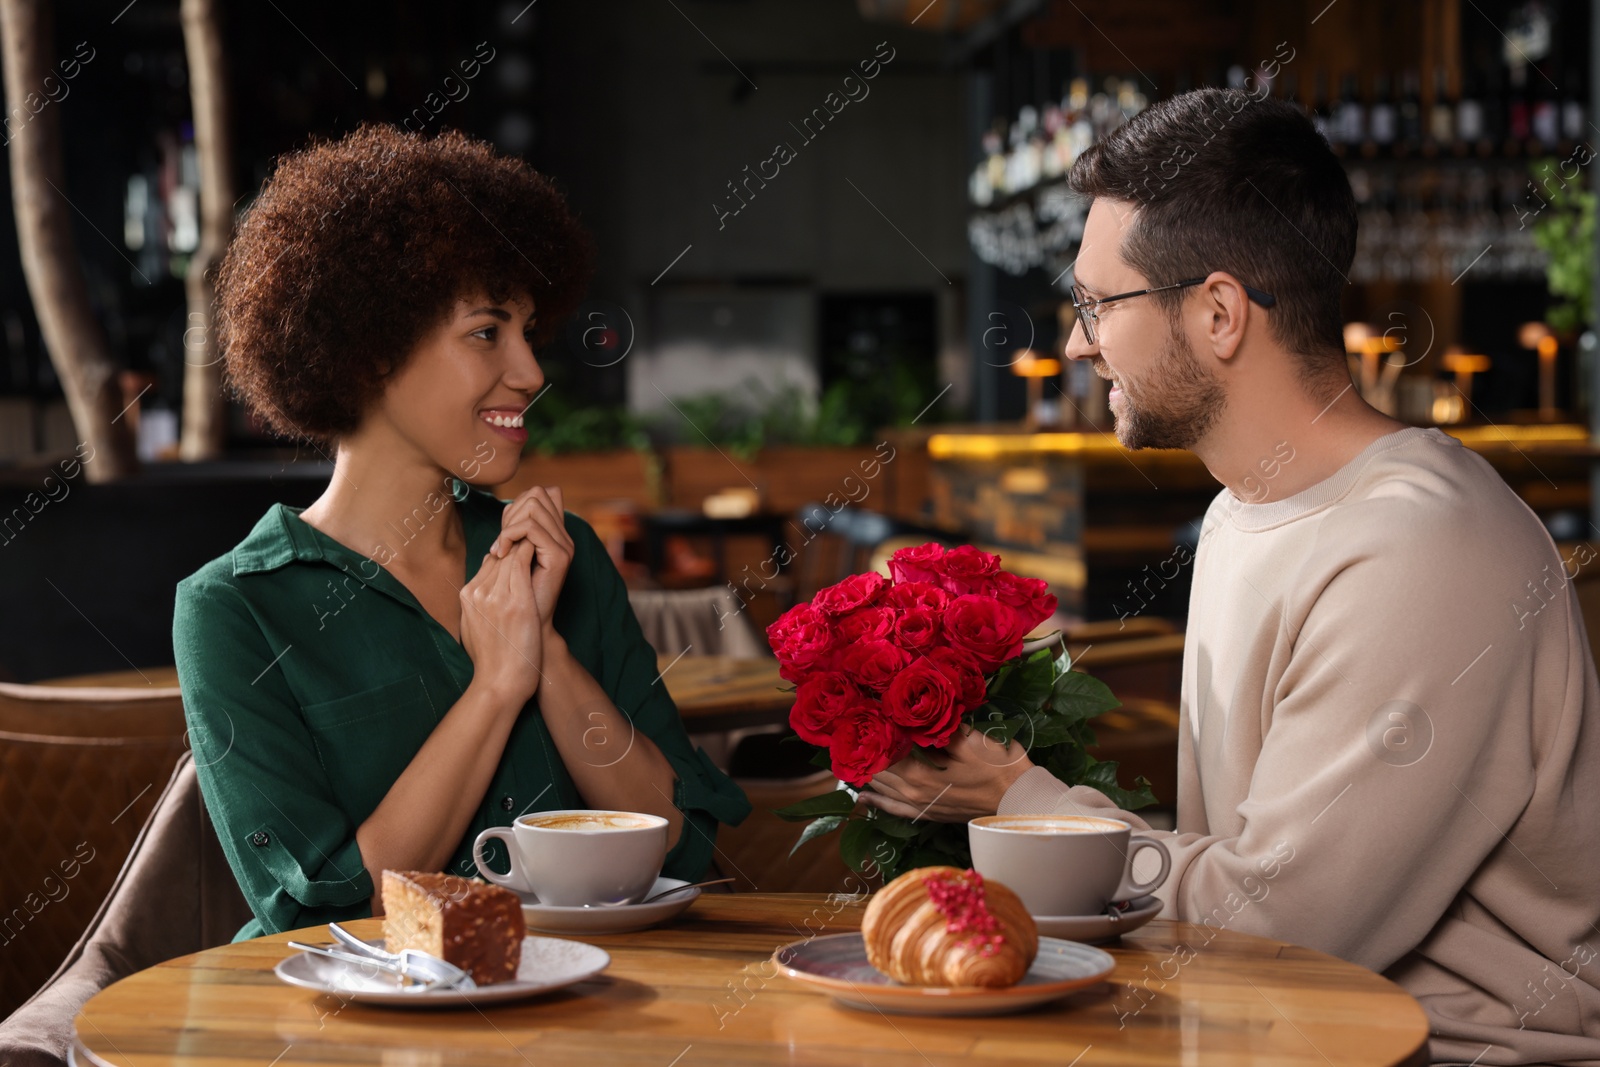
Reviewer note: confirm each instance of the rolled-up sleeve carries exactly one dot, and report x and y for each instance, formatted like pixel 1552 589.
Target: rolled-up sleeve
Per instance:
pixel 292 848
pixel 630 678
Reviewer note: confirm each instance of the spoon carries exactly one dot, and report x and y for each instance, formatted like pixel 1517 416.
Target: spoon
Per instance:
pixel 657 896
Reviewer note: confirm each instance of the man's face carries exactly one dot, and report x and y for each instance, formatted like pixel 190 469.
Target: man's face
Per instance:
pixel 1162 396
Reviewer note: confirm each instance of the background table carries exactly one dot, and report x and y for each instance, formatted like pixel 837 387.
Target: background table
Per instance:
pixel 701 991
pixel 712 692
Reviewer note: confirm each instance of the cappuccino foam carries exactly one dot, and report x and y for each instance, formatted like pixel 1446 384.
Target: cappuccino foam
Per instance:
pixel 585 822
pixel 1070 825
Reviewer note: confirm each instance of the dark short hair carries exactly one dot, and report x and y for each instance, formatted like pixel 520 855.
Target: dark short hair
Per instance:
pixel 357 248
pixel 1225 180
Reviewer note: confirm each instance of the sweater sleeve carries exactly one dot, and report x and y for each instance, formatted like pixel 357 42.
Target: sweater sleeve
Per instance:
pixel 1397 754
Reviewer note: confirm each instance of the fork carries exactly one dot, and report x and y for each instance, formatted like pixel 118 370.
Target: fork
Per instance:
pixel 446 975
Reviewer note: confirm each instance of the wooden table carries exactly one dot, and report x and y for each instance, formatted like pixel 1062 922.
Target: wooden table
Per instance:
pixel 712 692
pixel 701 991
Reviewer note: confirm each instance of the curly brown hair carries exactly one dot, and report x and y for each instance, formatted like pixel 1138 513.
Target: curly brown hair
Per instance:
pixel 356 248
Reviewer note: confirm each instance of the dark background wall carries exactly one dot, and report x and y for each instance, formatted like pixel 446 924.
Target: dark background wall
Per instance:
pixel 641 110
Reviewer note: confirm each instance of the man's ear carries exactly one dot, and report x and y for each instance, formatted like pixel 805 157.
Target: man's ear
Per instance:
pixel 1227 308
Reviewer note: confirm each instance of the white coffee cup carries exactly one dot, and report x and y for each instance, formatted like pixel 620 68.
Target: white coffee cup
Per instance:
pixel 1063 864
pixel 574 857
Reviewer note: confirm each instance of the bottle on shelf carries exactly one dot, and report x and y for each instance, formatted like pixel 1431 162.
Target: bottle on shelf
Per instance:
pixel 1471 131
pixel 1518 118
pixel 1054 162
pixel 1408 115
pixel 1441 114
pixel 1103 111
pixel 994 150
pixel 1382 120
pixel 1130 101
pixel 1321 110
pixel 1544 119
pixel 1351 117
pixel 1574 117
pixel 1080 127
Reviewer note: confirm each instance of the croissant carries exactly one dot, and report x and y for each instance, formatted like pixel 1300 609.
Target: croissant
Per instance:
pixel 943 926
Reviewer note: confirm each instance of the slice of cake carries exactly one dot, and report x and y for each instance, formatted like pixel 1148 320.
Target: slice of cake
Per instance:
pixel 472 924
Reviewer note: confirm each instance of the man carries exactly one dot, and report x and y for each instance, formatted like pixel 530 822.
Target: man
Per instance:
pixel 1389 747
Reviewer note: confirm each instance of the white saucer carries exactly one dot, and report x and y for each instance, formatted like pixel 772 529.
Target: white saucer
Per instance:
pixel 547 964
pixel 607 920
pixel 1091 929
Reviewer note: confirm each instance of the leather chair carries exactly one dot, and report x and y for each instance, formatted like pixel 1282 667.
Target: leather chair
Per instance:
pixel 176 895
pixel 80 769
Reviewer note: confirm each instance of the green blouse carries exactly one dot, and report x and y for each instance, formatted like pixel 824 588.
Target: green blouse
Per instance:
pixel 311 677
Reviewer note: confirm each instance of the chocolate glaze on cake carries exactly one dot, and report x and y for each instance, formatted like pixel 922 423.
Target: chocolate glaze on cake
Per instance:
pixel 472 924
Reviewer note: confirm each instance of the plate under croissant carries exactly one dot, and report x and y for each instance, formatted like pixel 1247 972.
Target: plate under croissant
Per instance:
pixel 837 964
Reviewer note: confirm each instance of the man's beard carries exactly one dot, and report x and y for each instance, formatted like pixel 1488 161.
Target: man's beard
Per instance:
pixel 1178 402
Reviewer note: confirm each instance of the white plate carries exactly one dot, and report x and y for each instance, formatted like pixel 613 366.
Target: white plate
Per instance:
pixel 837 964
pixel 618 920
pixel 1093 929
pixel 548 963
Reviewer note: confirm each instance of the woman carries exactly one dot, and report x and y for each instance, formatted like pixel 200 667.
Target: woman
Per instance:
pixel 373 680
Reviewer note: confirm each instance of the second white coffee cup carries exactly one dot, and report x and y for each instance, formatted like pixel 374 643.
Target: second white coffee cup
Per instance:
pixel 1063 864
pixel 575 857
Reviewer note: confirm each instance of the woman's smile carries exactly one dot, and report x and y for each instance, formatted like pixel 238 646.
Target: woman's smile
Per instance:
pixel 507 422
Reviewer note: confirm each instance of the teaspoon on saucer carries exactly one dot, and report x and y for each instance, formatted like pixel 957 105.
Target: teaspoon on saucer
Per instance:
pixel 657 896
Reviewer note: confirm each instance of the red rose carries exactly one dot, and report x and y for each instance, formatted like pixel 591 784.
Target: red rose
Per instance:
pixel 908 595
pixel 819 703
pixel 1028 597
pixel 918 564
pixel 922 700
pixel 917 629
pixel 803 640
pixel 863 624
pixel 965 673
pixel 856 591
pixel 874 662
pixel 984 627
pixel 865 742
pixel 968 570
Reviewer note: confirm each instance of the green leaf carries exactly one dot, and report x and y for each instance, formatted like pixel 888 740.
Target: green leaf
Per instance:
pixel 893 825
pixel 816 828
pixel 822 758
pixel 1029 681
pixel 998 682
pixel 885 854
pixel 1078 696
pixel 856 844
pixel 833 802
pixel 1068 763
pixel 1044 731
pixel 1103 776
pixel 1001 729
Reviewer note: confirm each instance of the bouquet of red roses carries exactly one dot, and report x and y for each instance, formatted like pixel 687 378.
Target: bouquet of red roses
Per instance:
pixel 890 667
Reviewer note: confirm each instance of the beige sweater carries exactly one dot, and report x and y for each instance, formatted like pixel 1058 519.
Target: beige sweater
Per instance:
pixel 1390 747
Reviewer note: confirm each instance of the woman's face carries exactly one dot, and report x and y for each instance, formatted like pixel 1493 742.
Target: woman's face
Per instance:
pixel 460 397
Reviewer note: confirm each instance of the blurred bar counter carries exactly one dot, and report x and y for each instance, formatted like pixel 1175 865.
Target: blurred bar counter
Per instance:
pixel 1126 514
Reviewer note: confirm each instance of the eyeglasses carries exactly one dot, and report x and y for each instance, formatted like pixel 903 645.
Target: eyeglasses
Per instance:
pixel 1089 310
